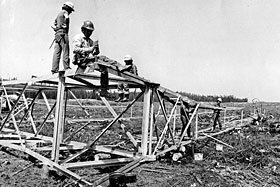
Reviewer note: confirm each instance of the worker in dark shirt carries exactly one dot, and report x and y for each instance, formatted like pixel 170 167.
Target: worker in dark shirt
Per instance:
pixel 61 28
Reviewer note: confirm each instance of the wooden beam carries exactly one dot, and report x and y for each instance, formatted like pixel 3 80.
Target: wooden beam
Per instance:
pixel 113 150
pixel 217 140
pixel 98 163
pixel 59 115
pixel 11 107
pixel 129 135
pixel 165 114
pixel 45 160
pixel 90 144
pixel 190 121
pixel 166 127
pixel 146 119
pixel 79 103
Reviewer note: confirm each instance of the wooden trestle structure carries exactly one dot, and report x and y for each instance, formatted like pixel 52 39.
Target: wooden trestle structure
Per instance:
pixel 148 149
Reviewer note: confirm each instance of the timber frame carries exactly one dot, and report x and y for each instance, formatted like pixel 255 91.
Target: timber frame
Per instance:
pixel 148 148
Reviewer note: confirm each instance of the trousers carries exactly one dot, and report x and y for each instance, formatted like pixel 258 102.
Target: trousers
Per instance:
pixel 61 46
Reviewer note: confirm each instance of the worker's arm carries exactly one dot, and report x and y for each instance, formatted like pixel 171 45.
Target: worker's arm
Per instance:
pixel 135 70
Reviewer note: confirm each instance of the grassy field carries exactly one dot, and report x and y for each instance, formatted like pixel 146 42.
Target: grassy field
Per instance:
pixel 254 160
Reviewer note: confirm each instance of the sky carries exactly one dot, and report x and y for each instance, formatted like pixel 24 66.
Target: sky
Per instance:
pixel 213 47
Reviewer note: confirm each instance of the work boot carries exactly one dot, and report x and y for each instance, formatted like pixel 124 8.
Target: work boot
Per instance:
pixel 126 98
pixel 120 97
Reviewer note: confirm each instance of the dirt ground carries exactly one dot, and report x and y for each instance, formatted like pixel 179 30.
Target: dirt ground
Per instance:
pixel 254 161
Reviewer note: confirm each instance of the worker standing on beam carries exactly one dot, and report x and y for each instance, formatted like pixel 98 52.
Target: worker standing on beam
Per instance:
pixel 217 115
pixel 123 89
pixel 61 40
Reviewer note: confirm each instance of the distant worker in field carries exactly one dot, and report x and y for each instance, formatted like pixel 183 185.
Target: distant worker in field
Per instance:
pixel 185 117
pixel 123 89
pixel 217 115
pixel 61 40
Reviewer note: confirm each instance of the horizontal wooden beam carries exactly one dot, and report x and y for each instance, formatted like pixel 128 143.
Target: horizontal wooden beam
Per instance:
pixel 98 163
pixel 47 161
pixel 113 150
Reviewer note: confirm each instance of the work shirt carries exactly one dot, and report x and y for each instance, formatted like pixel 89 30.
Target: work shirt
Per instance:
pixel 81 45
pixel 217 112
pixel 132 69
pixel 61 23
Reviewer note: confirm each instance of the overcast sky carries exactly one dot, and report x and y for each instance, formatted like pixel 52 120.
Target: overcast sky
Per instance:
pixel 215 47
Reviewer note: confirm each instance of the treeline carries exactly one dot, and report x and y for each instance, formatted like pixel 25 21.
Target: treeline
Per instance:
pixel 211 98
pixel 89 94
pixel 51 94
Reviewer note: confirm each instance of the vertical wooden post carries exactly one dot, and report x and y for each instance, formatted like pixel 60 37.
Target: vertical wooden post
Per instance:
pixel 1 102
pixel 174 122
pixel 242 117
pixel 146 119
pixel 225 116
pixel 59 115
pixel 196 126
pixel 151 122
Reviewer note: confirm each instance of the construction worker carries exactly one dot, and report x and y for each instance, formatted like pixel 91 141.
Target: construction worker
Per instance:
pixel 217 115
pixel 123 89
pixel 185 111
pixel 85 54
pixel 61 40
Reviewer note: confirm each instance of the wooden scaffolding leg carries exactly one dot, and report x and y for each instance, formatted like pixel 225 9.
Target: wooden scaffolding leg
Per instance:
pixel 59 115
pixel 151 122
pixel 146 119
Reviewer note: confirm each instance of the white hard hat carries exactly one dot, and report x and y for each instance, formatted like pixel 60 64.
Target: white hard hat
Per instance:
pixel 127 58
pixel 70 5
pixel 219 99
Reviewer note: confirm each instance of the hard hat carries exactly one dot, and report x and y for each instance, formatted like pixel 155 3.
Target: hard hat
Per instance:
pixel 127 58
pixel 88 25
pixel 219 99
pixel 70 5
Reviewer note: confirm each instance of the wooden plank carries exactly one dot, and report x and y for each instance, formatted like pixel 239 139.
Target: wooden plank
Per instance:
pixel 174 147
pixel 217 140
pixel 47 161
pixel 113 150
pixel 129 135
pixel 146 119
pixel 79 103
pixel 90 144
pixel 46 138
pixel 59 118
pixel 98 163
pixel 166 127
pixel 187 100
pixel 129 76
pixel 185 130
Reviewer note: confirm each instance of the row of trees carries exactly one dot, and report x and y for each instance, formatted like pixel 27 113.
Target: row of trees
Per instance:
pixel 213 98
pixel 85 94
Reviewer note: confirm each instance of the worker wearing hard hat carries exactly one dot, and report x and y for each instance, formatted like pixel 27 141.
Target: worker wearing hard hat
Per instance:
pixel 85 55
pixel 123 89
pixel 61 28
pixel 84 48
pixel 217 115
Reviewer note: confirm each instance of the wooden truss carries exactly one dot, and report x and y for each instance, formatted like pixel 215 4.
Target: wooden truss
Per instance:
pixel 148 148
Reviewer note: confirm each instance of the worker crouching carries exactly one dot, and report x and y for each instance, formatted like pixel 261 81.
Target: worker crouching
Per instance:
pixel 123 88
